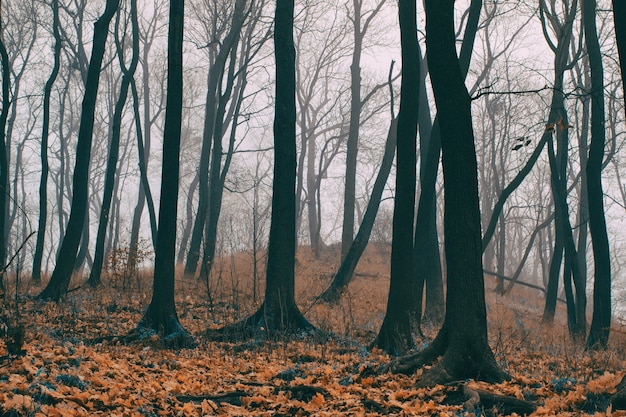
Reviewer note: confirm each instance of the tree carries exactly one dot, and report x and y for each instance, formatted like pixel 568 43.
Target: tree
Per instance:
pixel 619 18
pixel 601 321
pixel 114 146
pixel 279 312
pixel 43 183
pixel 396 333
pixel 349 262
pixel 160 315
pixel 66 257
pixel 462 341
pixel 210 162
pixel 557 125
pixel 4 157
pixel 144 139
pixel 352 143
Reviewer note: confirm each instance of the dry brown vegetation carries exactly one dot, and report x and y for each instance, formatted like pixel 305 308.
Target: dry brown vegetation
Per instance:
pixel 68 369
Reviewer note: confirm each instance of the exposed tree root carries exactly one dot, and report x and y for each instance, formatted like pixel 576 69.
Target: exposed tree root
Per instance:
pixel 457 362
pixel 265 323
pixel 490 403
pixel 169 329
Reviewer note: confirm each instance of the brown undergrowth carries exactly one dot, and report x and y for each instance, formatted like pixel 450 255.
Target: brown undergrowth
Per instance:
pixel 71 364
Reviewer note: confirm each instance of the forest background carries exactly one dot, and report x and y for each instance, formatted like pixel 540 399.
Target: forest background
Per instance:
pixel 85 147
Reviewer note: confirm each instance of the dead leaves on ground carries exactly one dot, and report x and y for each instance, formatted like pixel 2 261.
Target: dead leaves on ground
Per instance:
pixel 62 374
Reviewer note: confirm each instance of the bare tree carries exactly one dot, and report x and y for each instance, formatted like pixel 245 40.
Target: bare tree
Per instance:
pixel 396 333
pixel 43 183
pixel 114 146
pixel 66 258
pixel 161 315
pixel 361 22
pixel 601 322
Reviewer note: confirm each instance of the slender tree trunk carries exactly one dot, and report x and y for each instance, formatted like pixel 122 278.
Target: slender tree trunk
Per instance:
pixel 186 234
pixel 352 145
pixel 396 333
pixel 143 152
pixel 601 322
pixel 161 314
pixel 349 262
pixel 619 18
pixel 43 183
pixel 427 257
pixel 4 157
pixel 557 120
pixel 66 258
pixel 215 76
pixel 219 170
pixel 114 146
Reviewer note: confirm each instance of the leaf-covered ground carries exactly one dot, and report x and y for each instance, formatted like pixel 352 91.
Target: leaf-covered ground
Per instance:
pixel 65 370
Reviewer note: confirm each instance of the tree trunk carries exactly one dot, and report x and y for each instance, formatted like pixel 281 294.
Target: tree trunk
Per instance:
pixel 161 314
pixel 219 170
pixel 207 165
pixel 4 158
pixel 396 333
pixel 352 145
pixel 66 258
pixel 557 120
pixel 114 146
pixel 279 312
pixel 601 322
pixel 43 183
pixel 619 18
pixel 426 240
pixel 348 264
pixel 462 341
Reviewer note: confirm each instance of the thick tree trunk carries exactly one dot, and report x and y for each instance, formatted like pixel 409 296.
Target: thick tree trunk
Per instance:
pixel 426 243
pixel 161 314
pixel 279 312
pixel 66 258
pixel 396 333
pixel 601 322
pixel 462 341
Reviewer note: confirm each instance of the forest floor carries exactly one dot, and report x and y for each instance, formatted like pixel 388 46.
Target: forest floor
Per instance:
pixel 62 372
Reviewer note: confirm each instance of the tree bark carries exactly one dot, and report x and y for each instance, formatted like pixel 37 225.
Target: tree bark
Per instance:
pixel 4 158
pixel 349 262
pixel 114 146
pixel 279 312
pixel 215 76
pixel 66 257
pixel 396 333
pixel 43 182
pixel 161 314
pixel 462 341
pixel 601 322
pixel 619 19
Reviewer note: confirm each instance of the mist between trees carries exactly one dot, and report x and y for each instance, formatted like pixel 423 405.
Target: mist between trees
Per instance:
pixel 261 150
